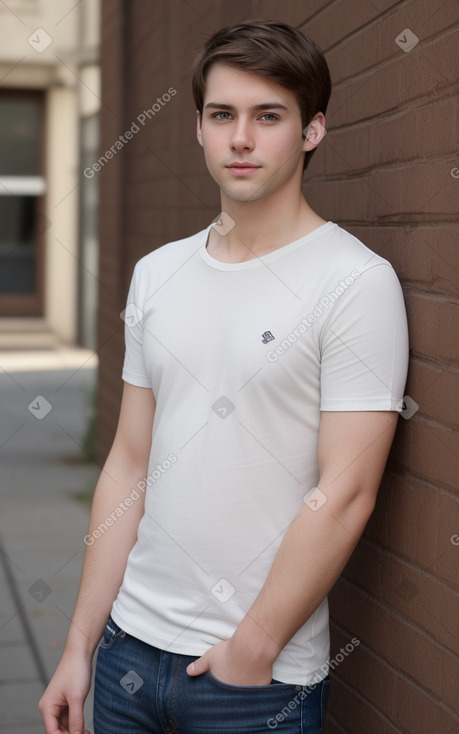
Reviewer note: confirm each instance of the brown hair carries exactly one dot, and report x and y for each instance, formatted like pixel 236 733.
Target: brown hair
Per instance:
pixel 273 50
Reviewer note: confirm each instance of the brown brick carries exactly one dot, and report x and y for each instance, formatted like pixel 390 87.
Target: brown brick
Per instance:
pixel 395 139
pixel 372 678
pixel 384 173
pixel 374 42
pixel 427 602
pixel 396 640
pixel 390 691
pixel 365 567
pixel 425 314
pixel 406 520
pixel 331 726
pixel 357 53
pixel 436 389
pixel 423 257
pixel 426 191
pixel 354 713
pixel 447 555
pixel 428 450
pixel 295 13
pixel 420 713
pixel 426 20
pixel 450 682
pixel 426 71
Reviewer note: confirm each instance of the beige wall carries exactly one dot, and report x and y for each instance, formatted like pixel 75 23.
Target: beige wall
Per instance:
pixel 62 211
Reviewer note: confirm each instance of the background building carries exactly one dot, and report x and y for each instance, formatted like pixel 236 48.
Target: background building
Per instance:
pixel 388 172
pixel 49 105
pixel 49 119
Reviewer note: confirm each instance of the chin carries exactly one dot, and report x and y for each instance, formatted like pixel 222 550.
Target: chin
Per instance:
pixel 238 194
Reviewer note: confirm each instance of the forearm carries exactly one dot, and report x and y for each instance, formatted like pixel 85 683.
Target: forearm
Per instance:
pixel 353 450
pixel 314 551
pixel 107 548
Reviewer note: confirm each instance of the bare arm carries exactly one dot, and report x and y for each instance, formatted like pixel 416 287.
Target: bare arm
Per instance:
pixel 353 450
pixel 105 559
pixel 126 464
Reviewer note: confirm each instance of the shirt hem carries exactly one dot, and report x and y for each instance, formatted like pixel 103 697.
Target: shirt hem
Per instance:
pixel 162 643
pixel 178 648
pixel 353 405
pixel 134 379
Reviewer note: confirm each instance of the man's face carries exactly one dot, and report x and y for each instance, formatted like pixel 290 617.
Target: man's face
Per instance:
pixel 252 120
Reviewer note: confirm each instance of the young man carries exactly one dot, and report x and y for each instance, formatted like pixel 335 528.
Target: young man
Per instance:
pixel 266 358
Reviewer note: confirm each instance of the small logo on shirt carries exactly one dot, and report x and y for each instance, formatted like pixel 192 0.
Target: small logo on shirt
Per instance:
pixel 267 337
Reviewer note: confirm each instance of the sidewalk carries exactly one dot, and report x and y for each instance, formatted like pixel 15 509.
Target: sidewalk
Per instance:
pixel 44 411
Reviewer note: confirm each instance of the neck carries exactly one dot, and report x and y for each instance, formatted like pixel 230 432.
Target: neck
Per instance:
pixel 262 226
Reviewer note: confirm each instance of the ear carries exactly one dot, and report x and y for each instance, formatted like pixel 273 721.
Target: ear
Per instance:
pixel 314 132
pixel 198 127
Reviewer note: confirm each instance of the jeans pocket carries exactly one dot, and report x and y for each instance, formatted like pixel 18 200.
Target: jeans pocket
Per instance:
pixel 235 687
pixel 111 632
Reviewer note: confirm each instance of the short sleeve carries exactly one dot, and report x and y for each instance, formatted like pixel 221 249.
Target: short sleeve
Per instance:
pixel 134 368
pixel 364 345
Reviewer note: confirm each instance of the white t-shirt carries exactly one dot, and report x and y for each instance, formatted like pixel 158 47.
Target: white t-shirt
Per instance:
pixel 242 358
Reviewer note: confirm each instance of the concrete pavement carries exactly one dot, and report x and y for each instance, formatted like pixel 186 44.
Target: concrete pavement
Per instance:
pixel 44 409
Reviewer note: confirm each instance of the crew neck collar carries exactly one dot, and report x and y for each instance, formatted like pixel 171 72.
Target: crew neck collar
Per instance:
pixel 263 259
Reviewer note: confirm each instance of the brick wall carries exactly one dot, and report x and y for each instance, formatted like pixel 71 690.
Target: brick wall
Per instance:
pixel 386 172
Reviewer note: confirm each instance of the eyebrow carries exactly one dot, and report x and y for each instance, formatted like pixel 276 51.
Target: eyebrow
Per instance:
pixel 264 106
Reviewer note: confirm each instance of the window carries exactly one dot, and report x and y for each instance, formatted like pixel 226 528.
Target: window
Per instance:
pixel 21 190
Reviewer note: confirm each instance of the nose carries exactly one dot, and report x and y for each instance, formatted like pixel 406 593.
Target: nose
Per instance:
pixel 242 136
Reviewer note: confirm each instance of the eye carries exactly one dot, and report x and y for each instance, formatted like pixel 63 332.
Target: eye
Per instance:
pixel 216 115
pixel 271 115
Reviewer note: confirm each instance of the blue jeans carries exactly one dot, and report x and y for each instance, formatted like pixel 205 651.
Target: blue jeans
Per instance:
pixel 142 690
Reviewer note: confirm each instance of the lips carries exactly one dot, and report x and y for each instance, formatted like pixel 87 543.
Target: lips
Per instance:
pixel 242 165
pixel 240 168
